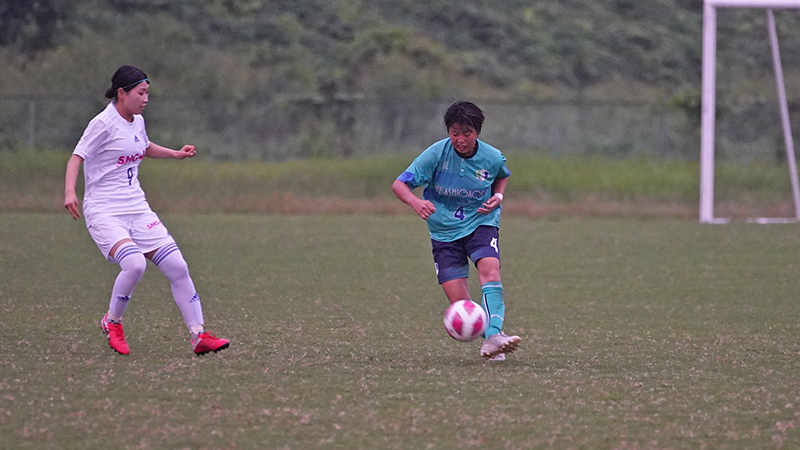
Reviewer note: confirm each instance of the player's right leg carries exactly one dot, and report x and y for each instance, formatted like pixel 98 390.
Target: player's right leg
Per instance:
pixel 452 269
pixel 456 290
pixel 133 264
pixel 111 237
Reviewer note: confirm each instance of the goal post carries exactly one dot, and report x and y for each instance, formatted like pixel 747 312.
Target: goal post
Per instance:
pixel 708 104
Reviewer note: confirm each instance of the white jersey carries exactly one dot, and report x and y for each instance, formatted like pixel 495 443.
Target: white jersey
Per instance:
pixel 112 149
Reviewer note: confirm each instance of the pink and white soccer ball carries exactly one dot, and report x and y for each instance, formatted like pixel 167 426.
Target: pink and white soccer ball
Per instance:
pixel 465 320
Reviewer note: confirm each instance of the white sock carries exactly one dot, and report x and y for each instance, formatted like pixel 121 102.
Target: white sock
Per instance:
pixel 195 331
pixel 171 263
pixel 133 264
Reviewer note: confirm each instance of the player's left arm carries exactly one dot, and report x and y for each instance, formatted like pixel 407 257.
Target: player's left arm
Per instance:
pixel 498 187
pixel 156 151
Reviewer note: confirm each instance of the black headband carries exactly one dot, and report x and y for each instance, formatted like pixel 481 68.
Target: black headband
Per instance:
pixel 126 77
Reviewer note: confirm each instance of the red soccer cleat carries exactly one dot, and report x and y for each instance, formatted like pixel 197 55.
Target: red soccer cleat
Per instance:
pixel 116 336
pixel 207 343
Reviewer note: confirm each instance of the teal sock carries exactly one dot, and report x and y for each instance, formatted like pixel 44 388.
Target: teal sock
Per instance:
pixel 494 305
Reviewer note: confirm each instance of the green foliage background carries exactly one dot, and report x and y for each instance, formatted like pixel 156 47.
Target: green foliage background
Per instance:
pixel 433 49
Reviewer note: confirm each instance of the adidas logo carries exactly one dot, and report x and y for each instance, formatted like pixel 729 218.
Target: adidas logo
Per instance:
pixel 136 139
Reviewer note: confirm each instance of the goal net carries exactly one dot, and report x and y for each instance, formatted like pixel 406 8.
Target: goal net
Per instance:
pixel 708 108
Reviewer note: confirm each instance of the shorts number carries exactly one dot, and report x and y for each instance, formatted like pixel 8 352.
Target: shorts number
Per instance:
pixel 459 214
pixel 130 175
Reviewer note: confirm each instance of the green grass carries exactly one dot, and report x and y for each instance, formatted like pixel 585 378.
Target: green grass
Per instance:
pixel 636 334
pixel 33 181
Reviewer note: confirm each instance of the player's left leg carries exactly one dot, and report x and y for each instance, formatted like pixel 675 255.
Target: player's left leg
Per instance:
pixel 160 247
pixel 170 262
pixel 485 251
pixel 497 343
pixel 492 293
pixel 483 248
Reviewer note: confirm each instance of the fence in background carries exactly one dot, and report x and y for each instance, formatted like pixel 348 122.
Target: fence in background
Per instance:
pixel 281 129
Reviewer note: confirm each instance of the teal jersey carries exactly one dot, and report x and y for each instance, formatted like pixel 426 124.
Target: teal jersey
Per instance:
pixel 457 187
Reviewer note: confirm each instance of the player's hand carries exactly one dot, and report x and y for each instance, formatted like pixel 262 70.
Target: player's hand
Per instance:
pixel 424 208
pixel 490 205
pixel 71 203
pixel 187 151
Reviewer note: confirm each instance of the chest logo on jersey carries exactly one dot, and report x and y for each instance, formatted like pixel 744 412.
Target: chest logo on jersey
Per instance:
pixel 460 193
pixel 482 175
pixel 135 138
pixel 122 160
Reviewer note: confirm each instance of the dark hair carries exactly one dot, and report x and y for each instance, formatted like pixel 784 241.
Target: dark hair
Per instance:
pixel 127 78
pixel 464 113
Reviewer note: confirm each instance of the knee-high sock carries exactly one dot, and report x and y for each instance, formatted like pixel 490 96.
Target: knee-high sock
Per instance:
pixel 133 264
pixel 494 305
pixel 171 263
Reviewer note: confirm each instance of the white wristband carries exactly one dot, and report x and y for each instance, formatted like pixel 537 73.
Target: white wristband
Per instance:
pixel 499 195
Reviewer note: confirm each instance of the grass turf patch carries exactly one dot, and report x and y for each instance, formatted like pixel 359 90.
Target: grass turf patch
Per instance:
pixel 539 186
pixel 636 334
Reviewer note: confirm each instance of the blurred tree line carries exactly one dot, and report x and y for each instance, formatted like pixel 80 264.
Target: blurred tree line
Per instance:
pixel 322 55
pixel 430 49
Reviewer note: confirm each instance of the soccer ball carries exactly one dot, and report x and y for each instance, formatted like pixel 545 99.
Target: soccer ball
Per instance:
pixel 465 320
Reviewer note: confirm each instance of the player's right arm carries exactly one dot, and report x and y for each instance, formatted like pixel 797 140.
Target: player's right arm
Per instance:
pixel 70 180
pixel 423 208
pixel 419 173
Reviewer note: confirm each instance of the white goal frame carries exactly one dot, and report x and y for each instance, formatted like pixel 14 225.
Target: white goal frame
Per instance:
pixel 708 105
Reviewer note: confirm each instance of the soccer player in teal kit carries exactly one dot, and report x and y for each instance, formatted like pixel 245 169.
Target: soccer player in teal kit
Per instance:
pixel 464 180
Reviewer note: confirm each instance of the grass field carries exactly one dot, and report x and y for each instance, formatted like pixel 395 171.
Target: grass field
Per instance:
pixel 540 186
pixel 637 334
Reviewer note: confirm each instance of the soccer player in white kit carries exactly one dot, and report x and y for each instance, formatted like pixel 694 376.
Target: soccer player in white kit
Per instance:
pixel 118 217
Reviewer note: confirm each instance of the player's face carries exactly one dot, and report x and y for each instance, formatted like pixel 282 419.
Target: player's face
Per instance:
pixel 135 100
pixel 463 138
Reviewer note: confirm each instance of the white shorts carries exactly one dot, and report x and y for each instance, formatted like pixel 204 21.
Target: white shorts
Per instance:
pixel 144 229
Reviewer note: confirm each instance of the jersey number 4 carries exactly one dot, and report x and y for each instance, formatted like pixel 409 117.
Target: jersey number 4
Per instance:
pixel 459 213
